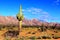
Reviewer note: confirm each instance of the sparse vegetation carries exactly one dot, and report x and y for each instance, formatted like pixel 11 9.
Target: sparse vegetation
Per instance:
pixel 46 37
pixel 7 38
pixel 32 37
pixel 32 32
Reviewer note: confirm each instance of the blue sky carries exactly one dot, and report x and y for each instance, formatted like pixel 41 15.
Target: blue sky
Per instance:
pixel 47 10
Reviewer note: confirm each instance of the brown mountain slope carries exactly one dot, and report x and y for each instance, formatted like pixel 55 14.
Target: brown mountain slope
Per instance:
pixel 6 20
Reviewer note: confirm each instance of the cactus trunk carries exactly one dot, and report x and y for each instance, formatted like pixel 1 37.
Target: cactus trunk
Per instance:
pixel 20 25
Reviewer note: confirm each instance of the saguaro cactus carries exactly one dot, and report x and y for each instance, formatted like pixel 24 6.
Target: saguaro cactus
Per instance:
pixel 20 17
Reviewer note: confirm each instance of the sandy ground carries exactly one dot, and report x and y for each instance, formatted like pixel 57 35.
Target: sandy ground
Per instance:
pixel 25 33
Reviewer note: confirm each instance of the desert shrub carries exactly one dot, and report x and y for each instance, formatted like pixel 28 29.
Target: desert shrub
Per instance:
pixel 33 33
pixel 18 38
pixel 58 28
pixel 56 31
pixel 46 27
pixel 52 34
pixel 7 38
pixel 29 33
pixel 1 27
pixel 32 26
pixel 39 29
pixel 33 37
pixel 43 28
pixel 12 33
pixel 46 37
pixel 22 38
pixel 52 27
pixel 55 37
pixel 38 38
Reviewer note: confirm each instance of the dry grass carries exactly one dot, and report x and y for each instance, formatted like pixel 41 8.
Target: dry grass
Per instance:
pixel 27 33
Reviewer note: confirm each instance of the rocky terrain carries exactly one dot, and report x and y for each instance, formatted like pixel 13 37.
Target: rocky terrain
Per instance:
pixel 9 20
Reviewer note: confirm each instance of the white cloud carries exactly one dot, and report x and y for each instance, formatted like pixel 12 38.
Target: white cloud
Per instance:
pixel 40 14
pixel 33 10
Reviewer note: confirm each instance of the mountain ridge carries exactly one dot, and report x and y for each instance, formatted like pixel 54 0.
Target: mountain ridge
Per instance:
pixel 5 20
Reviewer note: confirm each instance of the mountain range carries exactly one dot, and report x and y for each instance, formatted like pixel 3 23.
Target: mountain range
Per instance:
pixel 9 20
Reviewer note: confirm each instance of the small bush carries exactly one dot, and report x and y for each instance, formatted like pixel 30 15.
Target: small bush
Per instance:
pixel 46 37
pixel 46 27
pixel 33 37
pixel 17 38
pixel 52 27
pixel 33 33
pixel 29 33
pixel 7 38
pixel 55 31
pixel 0 28
pixel 55 37
pixel 38 38
pixel 52 34
pixel 39 30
